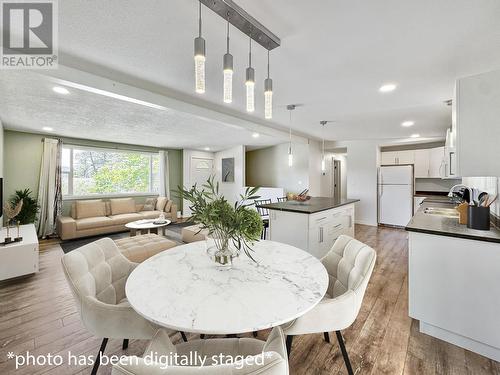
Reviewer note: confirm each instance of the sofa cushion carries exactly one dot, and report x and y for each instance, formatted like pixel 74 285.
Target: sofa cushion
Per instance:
pixel 90 208
pixel 93 222
pixel 150 214
pixel 168 206
pixel 139 248
pixel 194 233
pixel 160 203
pixel 149 205
pixel 123 219
pixel 122 206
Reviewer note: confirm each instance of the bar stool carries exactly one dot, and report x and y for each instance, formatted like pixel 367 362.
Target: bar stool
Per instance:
pixel 264 214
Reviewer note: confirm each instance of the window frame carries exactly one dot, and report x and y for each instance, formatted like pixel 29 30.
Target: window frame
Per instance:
pixel 72 147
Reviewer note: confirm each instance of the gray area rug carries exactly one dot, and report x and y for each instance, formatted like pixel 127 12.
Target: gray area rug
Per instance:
pixel 172 232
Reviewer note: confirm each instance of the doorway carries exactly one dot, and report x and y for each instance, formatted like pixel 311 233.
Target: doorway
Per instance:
pixel 336 179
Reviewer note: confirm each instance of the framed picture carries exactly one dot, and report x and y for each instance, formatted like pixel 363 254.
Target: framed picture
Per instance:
pixel 228 170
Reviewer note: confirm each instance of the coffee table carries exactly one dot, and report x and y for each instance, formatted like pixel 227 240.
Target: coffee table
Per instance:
pixel 146 226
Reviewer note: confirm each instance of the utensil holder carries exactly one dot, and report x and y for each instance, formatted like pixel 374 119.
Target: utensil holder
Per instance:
pixel 478 218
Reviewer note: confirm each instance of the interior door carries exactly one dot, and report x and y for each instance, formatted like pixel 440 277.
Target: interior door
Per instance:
pixel 336 179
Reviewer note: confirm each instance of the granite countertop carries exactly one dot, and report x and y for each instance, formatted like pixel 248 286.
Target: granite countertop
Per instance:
pixel 315 204
pixel 447 226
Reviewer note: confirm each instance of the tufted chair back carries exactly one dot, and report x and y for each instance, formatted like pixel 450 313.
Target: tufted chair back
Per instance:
pixel 97 270
pixel 349 264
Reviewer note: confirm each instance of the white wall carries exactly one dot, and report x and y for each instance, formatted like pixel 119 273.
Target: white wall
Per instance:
pixel 187 155
pixel 361 177
pixel 231 190
pixel 326 178
pixel 268 167
pixel 490 185
pixel 315 173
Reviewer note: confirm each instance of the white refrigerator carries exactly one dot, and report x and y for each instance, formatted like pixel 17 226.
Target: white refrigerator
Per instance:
pixel 395 195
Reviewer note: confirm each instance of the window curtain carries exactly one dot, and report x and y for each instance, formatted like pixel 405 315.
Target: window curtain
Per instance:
pixel 164 188
pixel 49 187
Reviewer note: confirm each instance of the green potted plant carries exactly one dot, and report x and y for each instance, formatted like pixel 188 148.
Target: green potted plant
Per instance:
pixel 29 207
pixel 232 228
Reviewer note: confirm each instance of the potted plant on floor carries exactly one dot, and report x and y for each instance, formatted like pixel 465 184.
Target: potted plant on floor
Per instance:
pixel 231 228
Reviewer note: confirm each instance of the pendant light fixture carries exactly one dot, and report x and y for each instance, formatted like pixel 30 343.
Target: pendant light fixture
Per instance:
pixel 250 80
pixel 268 94
pixel 199 58
pixel 228 70
pixel 290 108
pixel 323 161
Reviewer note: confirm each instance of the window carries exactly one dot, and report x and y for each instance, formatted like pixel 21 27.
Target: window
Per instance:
pixel 92 171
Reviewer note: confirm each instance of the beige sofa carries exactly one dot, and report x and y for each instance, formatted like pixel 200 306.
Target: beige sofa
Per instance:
pixel 98 216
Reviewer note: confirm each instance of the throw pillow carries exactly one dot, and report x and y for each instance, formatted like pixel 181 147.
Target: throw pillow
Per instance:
pixel 149 205
pixel 160 203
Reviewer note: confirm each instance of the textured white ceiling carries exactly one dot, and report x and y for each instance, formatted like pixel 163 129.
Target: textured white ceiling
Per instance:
pixel 28 103
pixel 334 56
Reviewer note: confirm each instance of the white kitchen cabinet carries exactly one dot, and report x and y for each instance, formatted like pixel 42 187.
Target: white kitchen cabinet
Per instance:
pixel 389 158
pixel 421 163
pixel 436 162
pixel 406 157
pixel 397 157
pixel 476 126
pixel 453 286
pixel 314 233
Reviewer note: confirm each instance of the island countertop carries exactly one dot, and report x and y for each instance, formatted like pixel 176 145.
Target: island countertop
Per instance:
pixel 446 226
pixel 313 205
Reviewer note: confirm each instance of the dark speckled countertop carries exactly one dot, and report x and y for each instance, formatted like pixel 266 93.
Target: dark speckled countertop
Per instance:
pixel 315 204
pixel 446 226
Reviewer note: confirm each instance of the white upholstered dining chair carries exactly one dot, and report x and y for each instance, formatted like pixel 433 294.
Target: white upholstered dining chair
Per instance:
pixel 97 273
pixel 349 264
pixel 263 358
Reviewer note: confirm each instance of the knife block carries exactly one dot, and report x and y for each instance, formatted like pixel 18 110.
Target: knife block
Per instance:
pixel 462 213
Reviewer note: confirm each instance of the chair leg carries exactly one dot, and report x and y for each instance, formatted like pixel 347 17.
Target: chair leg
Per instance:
pixel 202 336
pixel 125 344
pixel 327 337
pixel 289 340
pixel 344 353
pixel 183 336
pixel 99 355
pixel 254 333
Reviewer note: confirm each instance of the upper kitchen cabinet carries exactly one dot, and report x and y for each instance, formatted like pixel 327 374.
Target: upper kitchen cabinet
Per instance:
pixel 422 163
pixel 397 157
pixel 476 126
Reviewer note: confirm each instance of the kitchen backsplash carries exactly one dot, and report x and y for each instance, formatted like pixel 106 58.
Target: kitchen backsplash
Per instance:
pixel 435 184
pixel 491 185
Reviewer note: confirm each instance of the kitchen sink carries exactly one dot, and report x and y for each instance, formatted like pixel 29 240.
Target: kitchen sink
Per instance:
pixel 446 212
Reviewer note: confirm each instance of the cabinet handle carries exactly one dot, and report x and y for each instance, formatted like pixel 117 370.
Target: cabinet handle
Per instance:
pixel 338 225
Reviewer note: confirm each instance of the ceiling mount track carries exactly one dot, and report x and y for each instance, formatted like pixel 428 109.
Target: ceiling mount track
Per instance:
pixel 244 22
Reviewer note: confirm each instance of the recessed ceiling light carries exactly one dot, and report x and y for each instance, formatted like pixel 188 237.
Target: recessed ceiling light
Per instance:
pixel 48 129
pixel 60 90
pixel 407 124
pixel 415 135
pixel 388 87
pixel 207 148
pixel 256 135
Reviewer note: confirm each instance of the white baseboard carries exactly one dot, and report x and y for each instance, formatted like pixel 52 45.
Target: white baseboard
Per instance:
pixel 362 222
pixel 461 341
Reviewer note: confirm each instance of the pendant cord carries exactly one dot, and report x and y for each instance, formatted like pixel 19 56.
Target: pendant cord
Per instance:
pixel 250 51
pixel 199 19
pixel 267 63
pixel 227 37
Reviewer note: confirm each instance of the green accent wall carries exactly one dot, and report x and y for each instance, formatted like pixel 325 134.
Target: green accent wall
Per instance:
pixel 22 156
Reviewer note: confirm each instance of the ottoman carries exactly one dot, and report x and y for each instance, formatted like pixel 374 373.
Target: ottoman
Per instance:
pixel 193 234
pixel 139 248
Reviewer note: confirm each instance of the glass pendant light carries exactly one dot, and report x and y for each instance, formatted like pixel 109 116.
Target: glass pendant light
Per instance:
pixel 250 81
pixel 268 93
pixel 290 108
pixel 199 58
pixel 228 70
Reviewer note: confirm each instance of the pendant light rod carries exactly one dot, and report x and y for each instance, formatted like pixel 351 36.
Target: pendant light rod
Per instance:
pixel 227 35
pixel 244 22
pixel 267 63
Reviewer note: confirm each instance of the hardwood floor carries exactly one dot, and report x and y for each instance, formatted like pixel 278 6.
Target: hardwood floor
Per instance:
pixel 37 314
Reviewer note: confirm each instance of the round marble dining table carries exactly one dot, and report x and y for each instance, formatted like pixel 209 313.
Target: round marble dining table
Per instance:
pixel 182 289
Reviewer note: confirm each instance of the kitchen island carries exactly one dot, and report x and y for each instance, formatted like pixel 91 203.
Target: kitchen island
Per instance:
pixel 454 279
pixel 313 225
